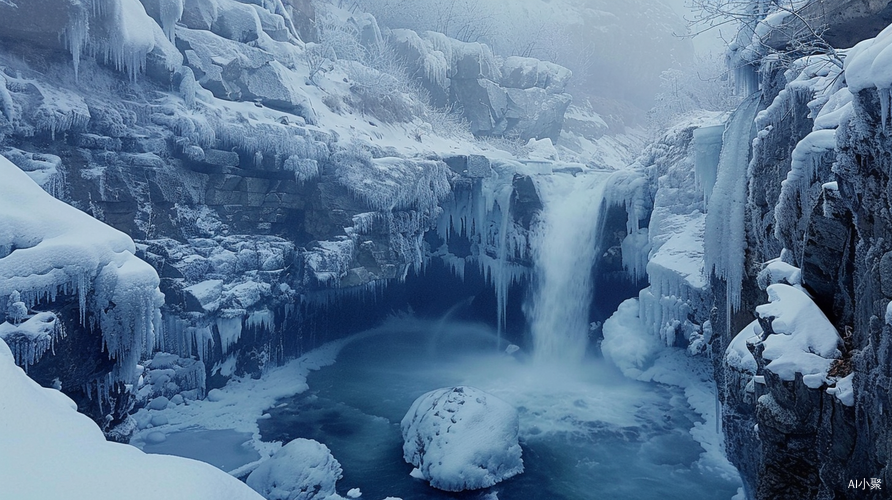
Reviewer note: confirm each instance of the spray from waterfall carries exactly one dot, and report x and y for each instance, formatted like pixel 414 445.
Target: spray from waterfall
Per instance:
pixel 564 245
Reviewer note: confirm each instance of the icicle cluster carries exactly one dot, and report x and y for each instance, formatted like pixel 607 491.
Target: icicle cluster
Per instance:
pixel 49 248
pixel 120 33
pixel 31 338
pixel 482 215
pixel 628 188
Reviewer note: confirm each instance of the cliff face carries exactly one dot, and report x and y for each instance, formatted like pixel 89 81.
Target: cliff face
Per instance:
pixel 271 188
pixel 817 218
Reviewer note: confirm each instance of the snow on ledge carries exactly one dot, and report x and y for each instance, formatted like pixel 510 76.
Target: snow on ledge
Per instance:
pixel 49 248
pixel 737 355
pixel 55 452
pixel 805 341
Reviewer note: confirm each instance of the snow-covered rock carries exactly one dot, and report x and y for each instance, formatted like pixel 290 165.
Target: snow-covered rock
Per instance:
pixel 527 72
pixel 51 451
pixel 628 343
pixel 302 470
pixel 461 438
pixel 48 249
pixel 804 340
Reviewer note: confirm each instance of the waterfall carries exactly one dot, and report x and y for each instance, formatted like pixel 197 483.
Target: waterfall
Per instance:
pixel 564 245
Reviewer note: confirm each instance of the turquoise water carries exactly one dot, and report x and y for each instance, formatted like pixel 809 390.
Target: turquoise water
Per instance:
pixel 586 433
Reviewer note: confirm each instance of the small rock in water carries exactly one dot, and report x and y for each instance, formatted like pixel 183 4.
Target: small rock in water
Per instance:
pixel 158 403
pixel 354 493
pixel 156 437
pixel 511 349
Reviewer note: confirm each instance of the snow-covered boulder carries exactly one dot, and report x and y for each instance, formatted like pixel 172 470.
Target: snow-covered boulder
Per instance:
pixel 236 71
pixel 461 438
pixel 51 451
pixel 527 72
pixel 302 470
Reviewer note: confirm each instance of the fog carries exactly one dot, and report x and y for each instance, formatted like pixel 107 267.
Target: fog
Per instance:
pixel 616 50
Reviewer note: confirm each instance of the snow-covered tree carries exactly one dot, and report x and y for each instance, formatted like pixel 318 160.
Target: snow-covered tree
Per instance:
pixel 706 85
pixel 787 29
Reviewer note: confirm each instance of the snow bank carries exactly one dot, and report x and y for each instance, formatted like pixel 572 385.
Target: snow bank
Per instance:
pixel 48 248
pixel 804 342
pixel 302 470
pixel 641 356
pixel 844 390
pixel 777 271
pixel 461 438
pixel 51 451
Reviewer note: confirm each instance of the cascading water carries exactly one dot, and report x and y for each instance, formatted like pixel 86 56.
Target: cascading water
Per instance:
pixel 564 245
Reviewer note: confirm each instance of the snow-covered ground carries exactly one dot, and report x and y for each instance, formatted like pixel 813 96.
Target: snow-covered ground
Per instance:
pixel 49 450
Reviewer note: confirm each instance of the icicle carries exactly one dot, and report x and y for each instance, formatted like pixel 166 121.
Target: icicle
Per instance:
pixel 725 241
pixel 171 11
pixel 76 34
pixel 884 104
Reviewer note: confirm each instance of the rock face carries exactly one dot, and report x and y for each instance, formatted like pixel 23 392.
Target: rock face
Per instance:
pixel 461 438
pixel 523 98
pixel 817 198
pixel 302 470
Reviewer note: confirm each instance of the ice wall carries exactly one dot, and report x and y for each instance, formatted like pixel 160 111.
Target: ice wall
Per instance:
pixel 725 238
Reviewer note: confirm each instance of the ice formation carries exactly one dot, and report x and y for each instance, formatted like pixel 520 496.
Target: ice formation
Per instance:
pixel 482 215
pixel 44 254
pixel 455 50
pixel 395 183
pixel 119 32
pixel 725 238
pixel 461 438
pixel 867 65
pixel 627 342
pixel 707 146
pixel 31 338
pixel 433 62
pixel 303 469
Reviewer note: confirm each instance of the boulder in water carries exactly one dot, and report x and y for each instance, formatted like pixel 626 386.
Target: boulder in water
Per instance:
pixel 461 438
pixel 302 470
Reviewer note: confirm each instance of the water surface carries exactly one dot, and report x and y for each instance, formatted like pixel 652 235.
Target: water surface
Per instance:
pixel 586 432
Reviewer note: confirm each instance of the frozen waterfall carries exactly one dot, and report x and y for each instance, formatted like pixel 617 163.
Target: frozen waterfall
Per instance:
pixel 564 245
